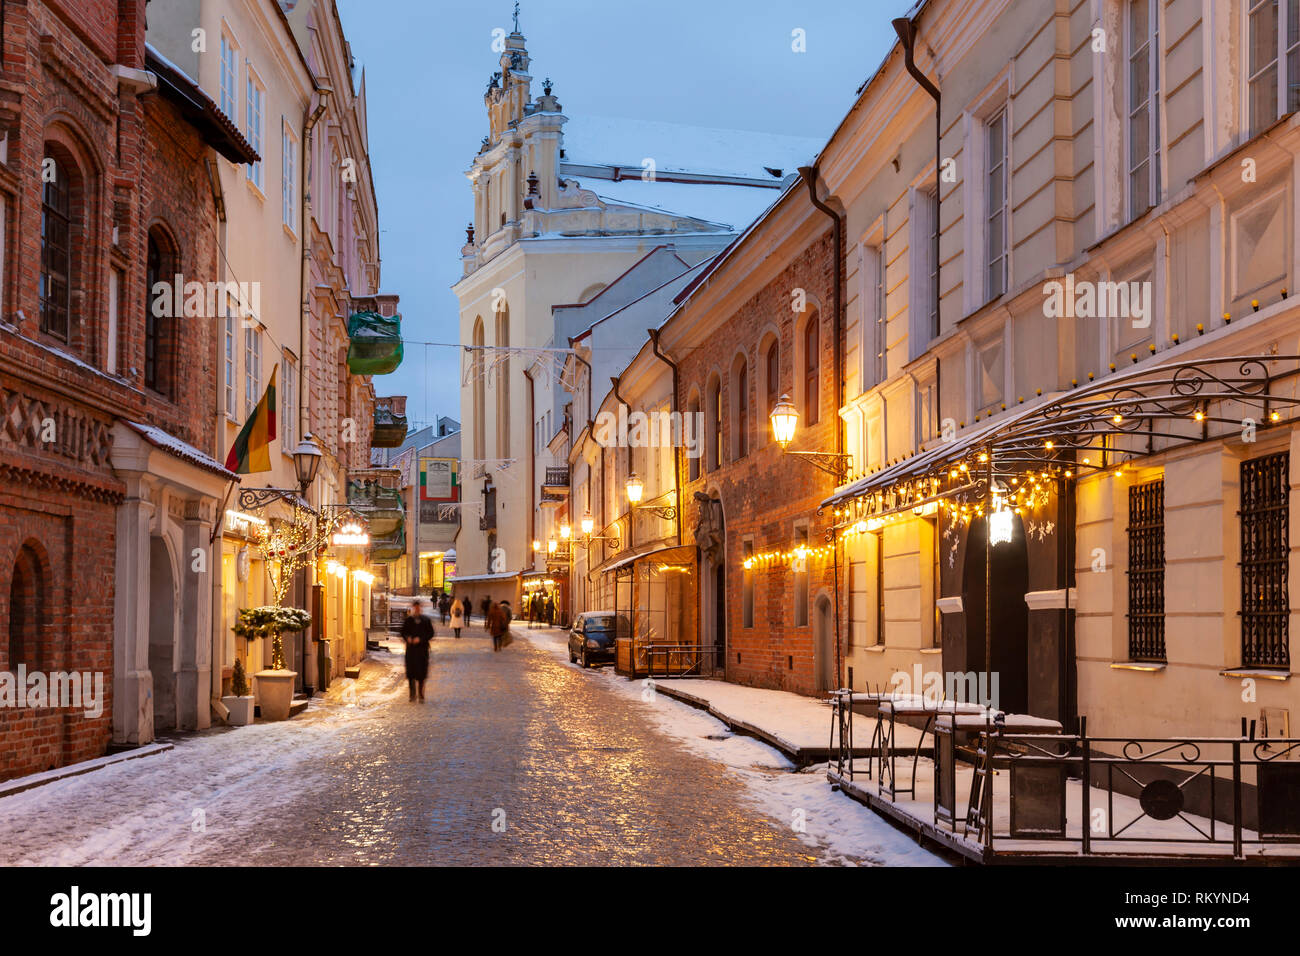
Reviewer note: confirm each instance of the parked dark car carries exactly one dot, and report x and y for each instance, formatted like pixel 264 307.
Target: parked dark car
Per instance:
pixel 591 639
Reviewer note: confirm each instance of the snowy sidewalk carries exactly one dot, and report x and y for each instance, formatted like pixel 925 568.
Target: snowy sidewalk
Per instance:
pixel 798 726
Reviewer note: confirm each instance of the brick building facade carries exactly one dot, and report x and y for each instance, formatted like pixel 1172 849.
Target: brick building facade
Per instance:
pixel 742 338
pixel 103 187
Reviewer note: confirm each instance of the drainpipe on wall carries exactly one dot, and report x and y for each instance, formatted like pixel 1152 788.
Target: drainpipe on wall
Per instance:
pixel 809 174
pixel 323 92
pixel 215 546
pixel 906 30
pixel 677 476
pixel 631 513
pixel 590 382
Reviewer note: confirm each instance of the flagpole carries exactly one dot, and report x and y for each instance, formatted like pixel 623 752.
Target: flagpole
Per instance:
pixel 221 511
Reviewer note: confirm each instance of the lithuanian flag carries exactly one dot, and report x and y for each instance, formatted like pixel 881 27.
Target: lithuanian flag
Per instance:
pixel 251 451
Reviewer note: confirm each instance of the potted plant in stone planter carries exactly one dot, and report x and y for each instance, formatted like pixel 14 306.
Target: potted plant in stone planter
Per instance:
pixel 274 685
pixel 240 702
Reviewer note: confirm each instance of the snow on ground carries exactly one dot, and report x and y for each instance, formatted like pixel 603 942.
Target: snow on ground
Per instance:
pixel 102 817
pixel 835 825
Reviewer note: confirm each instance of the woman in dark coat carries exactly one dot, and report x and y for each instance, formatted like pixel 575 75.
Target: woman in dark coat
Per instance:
pixel 417 632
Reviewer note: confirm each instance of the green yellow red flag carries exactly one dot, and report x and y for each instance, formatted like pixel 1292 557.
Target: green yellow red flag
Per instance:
pixel 251 451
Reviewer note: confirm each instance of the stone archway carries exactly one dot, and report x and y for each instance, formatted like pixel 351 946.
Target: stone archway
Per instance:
pixel 711 539
pixel 162 635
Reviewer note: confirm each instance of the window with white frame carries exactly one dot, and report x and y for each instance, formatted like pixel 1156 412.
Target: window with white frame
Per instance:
pixel 996 206
pixel 927 408
pixel 1272 60
pixel 230 365
pixel 254 120
pixel 1143 106
pixel 229 76
pixel 287 418
pixel 252 367
pixel 873 314
pixel 924 324
pixel 288 176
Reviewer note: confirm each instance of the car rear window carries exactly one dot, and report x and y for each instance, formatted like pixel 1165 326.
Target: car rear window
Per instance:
pixel 606 624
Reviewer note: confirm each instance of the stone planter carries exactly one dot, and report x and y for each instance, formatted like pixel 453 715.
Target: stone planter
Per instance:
pixel 275 693
pixel 241 710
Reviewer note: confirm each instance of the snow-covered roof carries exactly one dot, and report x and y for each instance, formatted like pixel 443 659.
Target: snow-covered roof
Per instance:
pixel 615 141
pixel 170 443
pixel 733 206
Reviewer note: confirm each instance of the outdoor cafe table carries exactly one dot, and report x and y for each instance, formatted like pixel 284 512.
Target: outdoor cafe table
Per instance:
pixel 1037 793
pixel 888 711
pixel 842 701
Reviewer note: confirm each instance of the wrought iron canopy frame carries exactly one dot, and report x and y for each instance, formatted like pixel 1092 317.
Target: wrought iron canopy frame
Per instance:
pixel 255 499
pixel 1102 426
pixel 834 464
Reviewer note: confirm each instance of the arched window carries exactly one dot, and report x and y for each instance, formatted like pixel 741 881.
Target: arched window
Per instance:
pixel 159 324
pixel 480 402
pixel 811 370
pixel 501 375
pixel 26 600
pixel 56 247
pixel 740 407
pixel 772 375
pixel 713 411
pixel 697 429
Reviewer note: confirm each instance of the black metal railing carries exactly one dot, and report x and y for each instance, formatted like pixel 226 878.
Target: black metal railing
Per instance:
pixel 1134 791
pixel 680 660
pixel 557 477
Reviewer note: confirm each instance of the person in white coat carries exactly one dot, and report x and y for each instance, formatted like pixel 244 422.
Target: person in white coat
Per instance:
pixel 457 617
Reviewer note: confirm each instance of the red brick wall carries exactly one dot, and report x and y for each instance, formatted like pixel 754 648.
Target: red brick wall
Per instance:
pixel 765 493
pixel 135 163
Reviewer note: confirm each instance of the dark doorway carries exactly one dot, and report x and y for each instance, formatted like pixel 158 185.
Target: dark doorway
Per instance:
pixel 1010 618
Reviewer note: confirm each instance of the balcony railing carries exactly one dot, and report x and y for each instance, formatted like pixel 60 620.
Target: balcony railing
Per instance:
pixel 390 428
pixel 556 481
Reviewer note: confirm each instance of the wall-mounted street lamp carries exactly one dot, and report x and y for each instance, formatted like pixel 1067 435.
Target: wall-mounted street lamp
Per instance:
pixel 636 490
pixel 785 421
pixel 588 526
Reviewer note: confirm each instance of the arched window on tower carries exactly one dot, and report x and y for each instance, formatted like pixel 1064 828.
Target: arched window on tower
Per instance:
pixel 480 403
pixel 501 380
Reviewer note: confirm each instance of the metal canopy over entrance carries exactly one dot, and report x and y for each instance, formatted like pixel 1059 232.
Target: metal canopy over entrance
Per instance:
pixel 1009 483
pixel 1099 427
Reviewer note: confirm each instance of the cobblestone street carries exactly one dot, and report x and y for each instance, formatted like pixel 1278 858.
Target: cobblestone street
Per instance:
pixel 571 763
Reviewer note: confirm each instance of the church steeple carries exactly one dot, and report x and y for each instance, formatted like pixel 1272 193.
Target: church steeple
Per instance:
pixel 509 92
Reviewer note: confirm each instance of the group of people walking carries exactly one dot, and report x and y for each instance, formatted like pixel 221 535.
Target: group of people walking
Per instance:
pixel 417 631
pixel 540 607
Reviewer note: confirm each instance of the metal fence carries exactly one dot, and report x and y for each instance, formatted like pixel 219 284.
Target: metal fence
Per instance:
pixel 680 660
pixel 1129 790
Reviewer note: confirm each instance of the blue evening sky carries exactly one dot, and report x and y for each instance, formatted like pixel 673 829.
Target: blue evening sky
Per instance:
pixel 716 63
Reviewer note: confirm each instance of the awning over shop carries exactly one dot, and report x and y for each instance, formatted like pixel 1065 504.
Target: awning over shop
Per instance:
pixel 1102 426
pixel 499 576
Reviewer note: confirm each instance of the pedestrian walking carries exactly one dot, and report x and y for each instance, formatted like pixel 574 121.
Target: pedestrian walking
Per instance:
pixel 496 625
pixel 486 606
pixel 457 618
pixel 444 607
pixel 469 609
pixel 550 611
pixel 417 632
